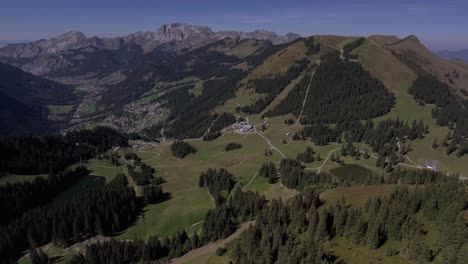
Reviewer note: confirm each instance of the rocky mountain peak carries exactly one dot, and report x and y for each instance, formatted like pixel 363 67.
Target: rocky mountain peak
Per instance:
pixel 412 38
pixel 72 36
pixel 181 32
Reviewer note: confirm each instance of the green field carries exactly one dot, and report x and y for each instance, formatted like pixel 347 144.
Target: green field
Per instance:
pixel 162 88
pixel 187 206
pixel 88 183
pixel 90 109
pixel 422 148
pixel 198 89
pixel 102 172
pixel 59 109
pixel 189 203
pixel 58 255
pixel 398 78
pixel 14 178
pixel 351 253
pixel 354 254
pixel 103 168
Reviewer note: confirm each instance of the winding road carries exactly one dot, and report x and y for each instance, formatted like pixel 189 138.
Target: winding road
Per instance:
pixel 325 161
pixel 271 145
pixel 251 180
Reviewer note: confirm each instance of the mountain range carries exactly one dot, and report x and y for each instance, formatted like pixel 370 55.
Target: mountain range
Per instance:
pixel 455 54
pixel 49 57
pixel 145 81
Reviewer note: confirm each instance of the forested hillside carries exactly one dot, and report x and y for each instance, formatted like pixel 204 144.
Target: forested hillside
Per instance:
pixel 53 153
pixel 24 99
pixel 339 91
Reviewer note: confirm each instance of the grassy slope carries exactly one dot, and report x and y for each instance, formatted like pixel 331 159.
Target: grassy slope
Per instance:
pixel 59 109
pixel 278 63
pixel 332 40
pixel 60 255
pixel 281 96
pixel 353 254
pixel 356 196
pixel 211 258
pixel 245 48
pixel 162 88
pixel 189 203
pixel 398 78
pixel 281 61
pixel 102 172
pixel 88 183
pixel 14 178
pixel 434 64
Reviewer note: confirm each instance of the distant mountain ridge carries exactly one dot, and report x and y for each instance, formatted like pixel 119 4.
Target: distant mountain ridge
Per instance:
pixel 454 54
pixel 177 32
pixel 75 54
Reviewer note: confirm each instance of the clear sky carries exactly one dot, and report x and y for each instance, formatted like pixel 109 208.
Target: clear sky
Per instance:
pixel 441 24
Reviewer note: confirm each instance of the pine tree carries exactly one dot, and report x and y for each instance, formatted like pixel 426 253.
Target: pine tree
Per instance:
pixel 356 155
pixel 451 147
pixel 388 167
pixel 445 141
pixel 98 225
pixel 375 237
pixel 359 230
pixel 417 251
pixel 322 232
pixel 314 219
pixel 392 159
pixel 366 154
pixel 195 240
pixel 343 151
pixel 403 149
pixel 462 149
pixel 462 255
pixel 380 162
pixel 38 257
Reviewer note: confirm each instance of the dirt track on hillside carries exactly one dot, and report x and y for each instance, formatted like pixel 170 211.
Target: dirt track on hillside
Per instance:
pixel 210 248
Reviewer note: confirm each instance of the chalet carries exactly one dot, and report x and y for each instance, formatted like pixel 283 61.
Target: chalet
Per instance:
pixel 431 164
pixel 245 128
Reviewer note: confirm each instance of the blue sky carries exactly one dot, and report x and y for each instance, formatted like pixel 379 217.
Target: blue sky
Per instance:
pixel 439 24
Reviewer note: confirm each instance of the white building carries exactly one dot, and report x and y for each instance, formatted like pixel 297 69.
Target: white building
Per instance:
pixel 245 128
pixel 431 164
